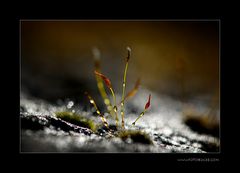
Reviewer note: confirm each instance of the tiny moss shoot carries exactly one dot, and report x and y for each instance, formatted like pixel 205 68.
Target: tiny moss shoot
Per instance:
pixel 97 55
pixel 145 109
pixel 124 86
pixel 97 110
pixel 77 120
pixel 109 85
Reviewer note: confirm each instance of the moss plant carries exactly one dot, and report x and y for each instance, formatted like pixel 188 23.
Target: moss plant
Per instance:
pixel 136 136
pixel 100 78
pixel 77 120
pixel 112 131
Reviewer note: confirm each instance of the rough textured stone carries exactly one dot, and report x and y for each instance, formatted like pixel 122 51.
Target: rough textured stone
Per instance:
pixel 42 131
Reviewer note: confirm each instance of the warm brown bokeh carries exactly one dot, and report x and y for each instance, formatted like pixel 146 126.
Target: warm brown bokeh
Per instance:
pixel 164 53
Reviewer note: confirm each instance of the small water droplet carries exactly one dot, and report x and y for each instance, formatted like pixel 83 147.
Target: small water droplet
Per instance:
pixel 115 108
pixel 70 104
pixel 106 101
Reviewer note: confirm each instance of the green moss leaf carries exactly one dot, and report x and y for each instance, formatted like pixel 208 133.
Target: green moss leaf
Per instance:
pixel 135 136
pixel 77 120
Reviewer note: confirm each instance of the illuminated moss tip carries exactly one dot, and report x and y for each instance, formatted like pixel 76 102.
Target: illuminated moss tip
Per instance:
pixel 129 53
pixel 77 120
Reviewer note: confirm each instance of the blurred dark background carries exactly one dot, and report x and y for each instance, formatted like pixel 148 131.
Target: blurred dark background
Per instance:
pixel 171 57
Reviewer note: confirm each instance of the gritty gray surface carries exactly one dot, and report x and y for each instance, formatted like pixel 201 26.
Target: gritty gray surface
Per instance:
pixel 42 131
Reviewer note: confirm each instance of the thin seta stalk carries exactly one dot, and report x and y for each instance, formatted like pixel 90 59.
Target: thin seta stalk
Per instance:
pixel 145 109
pixel 91 100
pixel 97 66
pixel 124 86
pixel 109 85
pixel 115 105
